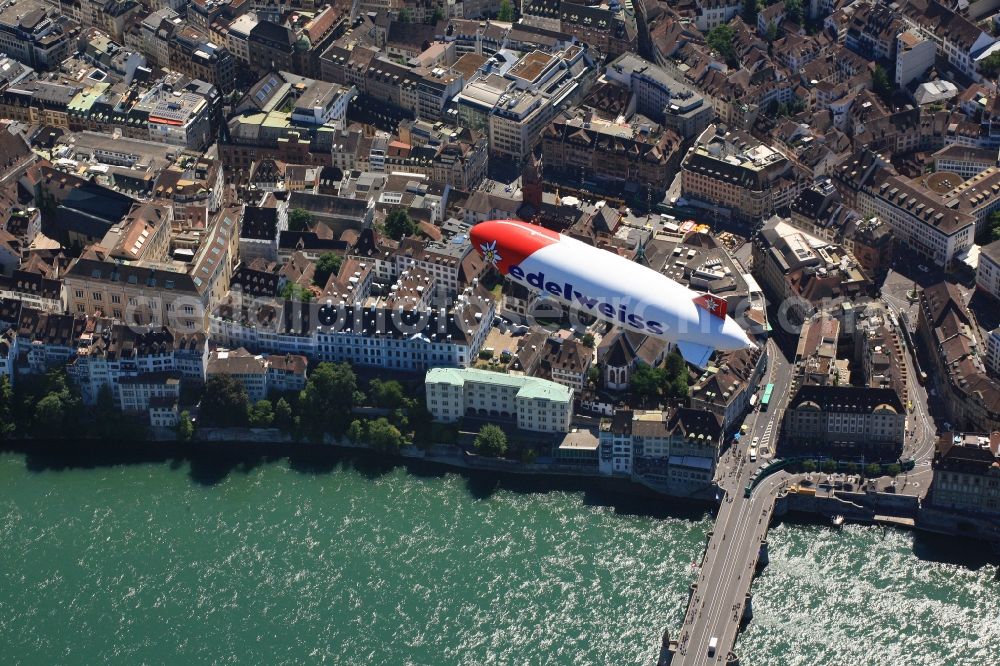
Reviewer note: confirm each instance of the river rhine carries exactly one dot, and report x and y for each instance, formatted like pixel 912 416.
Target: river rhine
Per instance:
pixel 285 563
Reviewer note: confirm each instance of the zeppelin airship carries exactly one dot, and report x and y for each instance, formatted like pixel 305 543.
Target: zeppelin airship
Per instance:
pixel 609 287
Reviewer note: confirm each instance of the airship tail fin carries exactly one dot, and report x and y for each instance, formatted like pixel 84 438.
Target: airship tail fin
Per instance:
pixel 695 354
pixel 712 304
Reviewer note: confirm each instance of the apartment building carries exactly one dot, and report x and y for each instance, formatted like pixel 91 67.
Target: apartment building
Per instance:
pixel 33 101
pixel 674 451
pixel 615 444
pixel 946 331
pixel 532 403
pixel 732 170
pixel 591 148
pixel 401 338
pixel 37 33
pixel 155 32
pixel 842 421
pixel 805 271
pixel 192 52
pixel 675 104
pixel 988 271
pixel 724 389
pixel 107 353
pixel 139 393
pixel 174 293
pixel 959 40
pixel 568 363
pixel 261 375
pixel 914 56
pixel 515 102
pixel 965 161
pixel 967 473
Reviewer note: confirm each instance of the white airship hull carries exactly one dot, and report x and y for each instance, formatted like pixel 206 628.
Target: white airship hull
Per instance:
pixel 574 273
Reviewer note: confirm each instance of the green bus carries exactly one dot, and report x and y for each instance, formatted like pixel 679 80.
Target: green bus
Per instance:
pixel 767 397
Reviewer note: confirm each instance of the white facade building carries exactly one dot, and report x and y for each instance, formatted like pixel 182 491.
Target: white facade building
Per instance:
pixel 993 353
pixel 535 404
pixel 914 56
pixel 988 272
pixel 401 339
pixel 136 394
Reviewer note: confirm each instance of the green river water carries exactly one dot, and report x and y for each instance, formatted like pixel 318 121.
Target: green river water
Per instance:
pixel 284 563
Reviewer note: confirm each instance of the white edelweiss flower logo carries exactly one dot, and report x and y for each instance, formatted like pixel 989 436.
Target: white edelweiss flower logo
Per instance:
pixel 490 253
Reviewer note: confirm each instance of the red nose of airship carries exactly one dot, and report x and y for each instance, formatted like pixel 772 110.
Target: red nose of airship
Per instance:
pixel 506 243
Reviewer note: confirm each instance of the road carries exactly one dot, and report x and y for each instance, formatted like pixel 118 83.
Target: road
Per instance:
pixel 716 607
pixel 922 428
pixel 728 567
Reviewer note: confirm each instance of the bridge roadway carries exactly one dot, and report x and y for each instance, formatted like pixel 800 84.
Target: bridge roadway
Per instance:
pixel 717 602
pixel 728 567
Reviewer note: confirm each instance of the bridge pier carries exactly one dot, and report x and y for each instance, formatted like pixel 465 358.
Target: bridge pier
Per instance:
pixel 667 649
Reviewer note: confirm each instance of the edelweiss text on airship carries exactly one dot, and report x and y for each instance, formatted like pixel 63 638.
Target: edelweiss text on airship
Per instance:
pixel 609 287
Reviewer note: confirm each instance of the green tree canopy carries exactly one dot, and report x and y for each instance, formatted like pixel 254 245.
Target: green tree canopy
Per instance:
pixel 299 220
pixel 506 13
pixel 50 416
pixel 881 84
pixel 435 16
pixel 793 10
pixel 328 264
pixel 388 394
pixel 991 231
pixel 385 437
pixel 675 380
pixel 588 340
pixel 295 292
pixel 225 402
pixel 399 224
pixel 990 65
pixel 720 38
pixel 750 12
pixel 282 413
pixel 49 405
pixel 874 469
pixel 262 414
pixel 829 466
pixel 356 432
pixel 185 427
pixel 809 465
pixel 646 382
pixel 7 425
pixel 326 401
pixel 490 441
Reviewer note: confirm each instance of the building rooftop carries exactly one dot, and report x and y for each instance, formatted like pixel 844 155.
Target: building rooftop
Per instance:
pixel 528 387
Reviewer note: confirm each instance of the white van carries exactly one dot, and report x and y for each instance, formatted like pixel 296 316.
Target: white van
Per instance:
pixel 712 644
